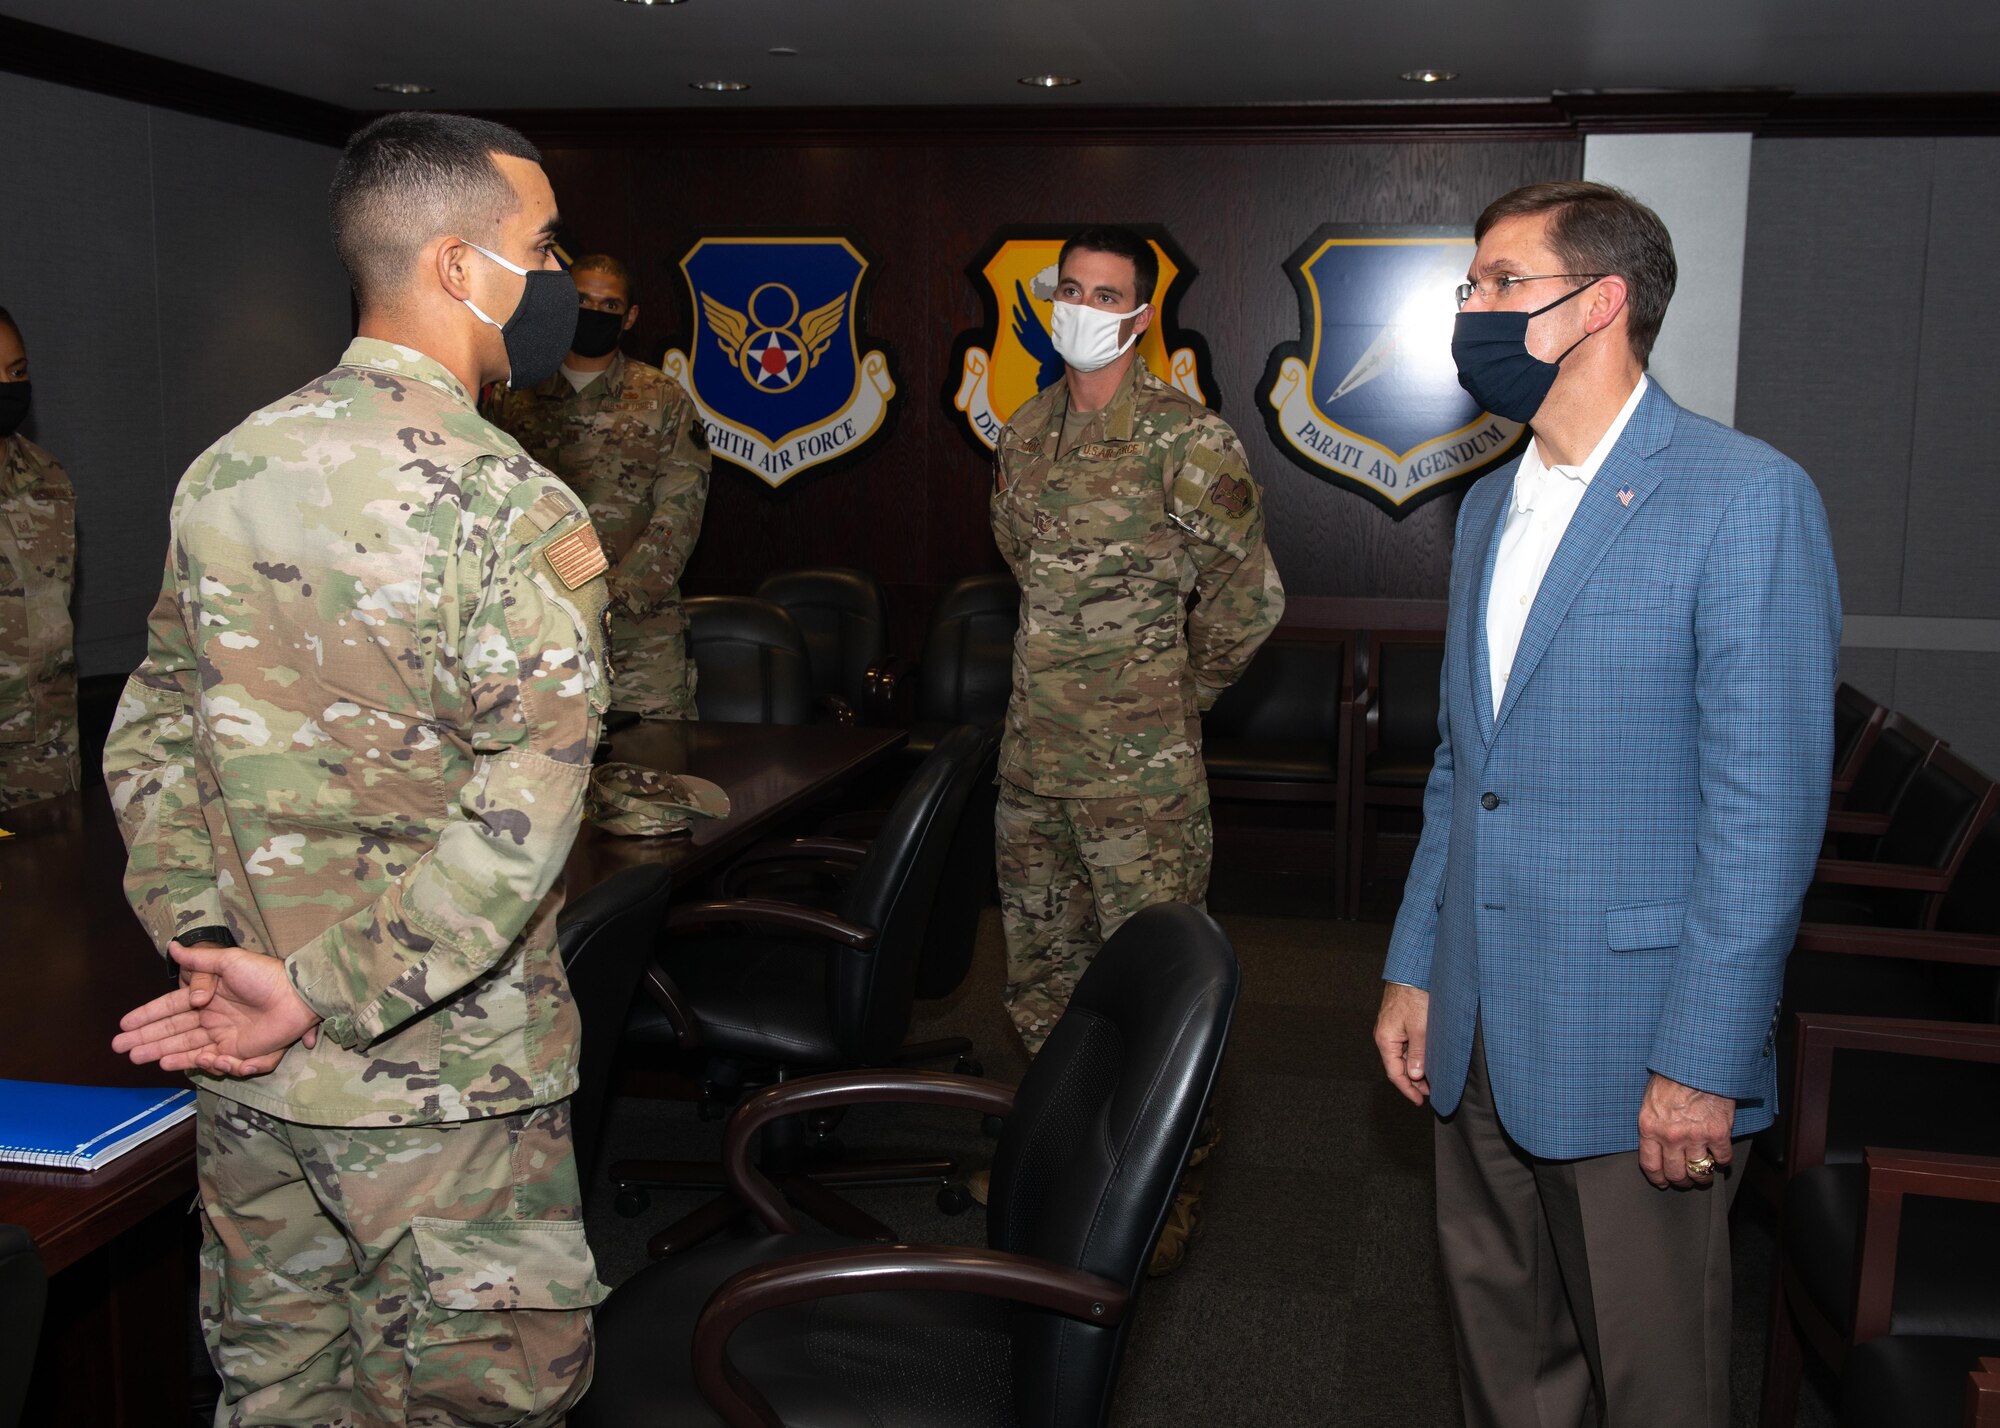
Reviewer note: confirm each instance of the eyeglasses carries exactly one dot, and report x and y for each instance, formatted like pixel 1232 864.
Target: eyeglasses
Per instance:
pixel 1495 288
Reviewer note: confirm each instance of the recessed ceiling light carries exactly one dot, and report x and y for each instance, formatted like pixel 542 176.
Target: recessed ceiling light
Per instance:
pixel 1429 76
pixel 1048 81
pixel 406 88
pixel 651 2
pixel 720 86
pixel 782 51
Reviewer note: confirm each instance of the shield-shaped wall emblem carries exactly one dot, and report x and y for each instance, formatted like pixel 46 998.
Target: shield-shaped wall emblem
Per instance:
pixel 994 369
pixel 1369 394
pixel 776 362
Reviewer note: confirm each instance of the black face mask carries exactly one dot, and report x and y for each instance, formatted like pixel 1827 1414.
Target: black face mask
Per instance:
pixel 596 332
pixel 538 334
pixel 1495 365
pixel 14 399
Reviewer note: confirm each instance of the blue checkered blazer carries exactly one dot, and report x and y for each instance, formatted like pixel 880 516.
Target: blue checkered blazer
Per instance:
pixel 1611 870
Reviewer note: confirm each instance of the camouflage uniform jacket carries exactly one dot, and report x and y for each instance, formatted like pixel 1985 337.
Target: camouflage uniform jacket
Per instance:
pixel 1153 501
pixel 633 446
pixel 361 738
pixel 37 572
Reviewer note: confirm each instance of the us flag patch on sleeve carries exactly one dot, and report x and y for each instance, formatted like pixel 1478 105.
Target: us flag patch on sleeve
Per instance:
pixel 576 557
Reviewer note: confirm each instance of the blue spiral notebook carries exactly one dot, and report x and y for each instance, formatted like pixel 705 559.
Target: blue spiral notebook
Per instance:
pixel 83 1127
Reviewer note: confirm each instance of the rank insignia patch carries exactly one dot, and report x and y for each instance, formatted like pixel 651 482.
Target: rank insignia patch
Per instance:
pixel 776 363
pixel 1369 395
pixel 997 367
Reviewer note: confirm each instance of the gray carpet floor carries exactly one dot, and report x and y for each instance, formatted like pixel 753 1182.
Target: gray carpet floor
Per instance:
pixel 1312 1295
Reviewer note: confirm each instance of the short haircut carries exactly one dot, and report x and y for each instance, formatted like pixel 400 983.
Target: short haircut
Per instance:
pixel 1121 243
pixel 1600 229
pixel 609 266
pixel 407 178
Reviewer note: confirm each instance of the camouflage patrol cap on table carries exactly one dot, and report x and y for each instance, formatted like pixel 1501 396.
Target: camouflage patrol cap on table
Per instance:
pixel 639 802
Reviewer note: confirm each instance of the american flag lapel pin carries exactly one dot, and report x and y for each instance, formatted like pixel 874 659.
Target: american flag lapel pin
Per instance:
pixel 1624 495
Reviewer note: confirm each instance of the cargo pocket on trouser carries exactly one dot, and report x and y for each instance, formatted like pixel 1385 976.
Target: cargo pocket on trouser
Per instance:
pixel 1142 851
pixel 501 1332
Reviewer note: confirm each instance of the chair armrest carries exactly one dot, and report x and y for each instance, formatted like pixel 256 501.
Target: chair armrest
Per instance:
pixel 837 706
pixel 1892 1175
pixel 772 915
pixel 824 1093
pixel 660 987
pixel 857 825
pixel 1839 820
pixel 1847 872
pixel 822 854
pixel 1978 949
pixel 870 1269
pixel 1822 1034
pixel 1982 1394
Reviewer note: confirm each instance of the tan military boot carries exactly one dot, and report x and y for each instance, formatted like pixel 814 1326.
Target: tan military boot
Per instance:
pixel 1183 1225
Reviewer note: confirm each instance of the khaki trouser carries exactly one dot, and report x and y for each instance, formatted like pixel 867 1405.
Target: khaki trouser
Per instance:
pixel 1580 1294
pixel 1072 870
pixel 429 1275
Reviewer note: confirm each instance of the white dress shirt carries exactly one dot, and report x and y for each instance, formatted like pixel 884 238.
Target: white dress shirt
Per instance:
pixel 1545 498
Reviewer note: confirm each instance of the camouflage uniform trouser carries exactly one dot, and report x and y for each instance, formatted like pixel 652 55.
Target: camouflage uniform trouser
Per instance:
pixel 35 771
pixel 652 675
pixel 429 1275
pixel 1072 870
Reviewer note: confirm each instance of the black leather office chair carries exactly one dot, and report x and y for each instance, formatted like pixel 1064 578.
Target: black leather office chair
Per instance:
pixel 966 673
pixel 1905 1242
pixel 1857 723
pixel 1920 1381
pixel 1395 738
pixel 1942 809
pixel 1277 737
pixel 766 990
pixel 607 936
pixel 1279 726
pixel 1863 801
pixel 846 627
pixel 24 1292
pixel 1947 973
pixel 751 665
pixel 822 1330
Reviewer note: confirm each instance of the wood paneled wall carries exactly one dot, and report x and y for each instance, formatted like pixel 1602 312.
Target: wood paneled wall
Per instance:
pixel 913 511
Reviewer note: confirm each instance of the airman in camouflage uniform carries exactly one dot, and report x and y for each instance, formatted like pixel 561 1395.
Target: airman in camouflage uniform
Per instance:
pixel 1110 519
pixel 631 443
pixel 359 745
pixel 38 751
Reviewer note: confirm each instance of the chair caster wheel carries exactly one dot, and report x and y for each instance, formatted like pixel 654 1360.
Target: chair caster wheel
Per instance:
pixel 631 1201
pixel 969 1066
pixel 992 1126
pixel 952 1200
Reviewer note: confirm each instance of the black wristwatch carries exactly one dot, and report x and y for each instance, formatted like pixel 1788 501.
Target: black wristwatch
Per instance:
pixel 221 936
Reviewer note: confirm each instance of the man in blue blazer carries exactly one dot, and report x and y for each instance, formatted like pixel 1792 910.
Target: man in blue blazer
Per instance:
pixel 1630 789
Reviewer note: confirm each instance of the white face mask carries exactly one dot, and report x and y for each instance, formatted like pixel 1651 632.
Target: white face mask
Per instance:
pixel 1088 339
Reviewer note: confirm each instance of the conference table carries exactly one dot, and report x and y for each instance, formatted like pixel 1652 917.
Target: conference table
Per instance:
pixel 114 1240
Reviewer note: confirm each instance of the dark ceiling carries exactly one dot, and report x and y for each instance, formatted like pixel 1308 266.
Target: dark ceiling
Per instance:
pixel 587 54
